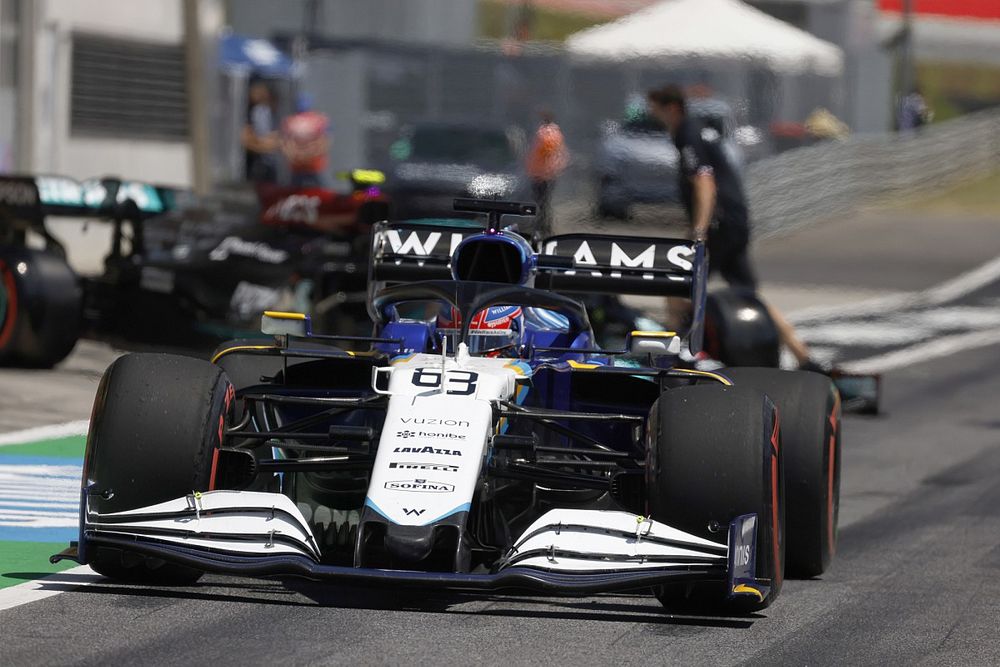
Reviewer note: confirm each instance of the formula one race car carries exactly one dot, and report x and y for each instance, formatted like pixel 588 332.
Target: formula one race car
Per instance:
pixel 481 441
pixel 180 269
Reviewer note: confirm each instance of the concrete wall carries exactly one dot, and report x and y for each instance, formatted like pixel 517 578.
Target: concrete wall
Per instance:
pixel 47 54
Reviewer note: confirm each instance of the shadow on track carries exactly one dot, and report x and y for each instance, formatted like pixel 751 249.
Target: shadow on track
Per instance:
pixel 298 593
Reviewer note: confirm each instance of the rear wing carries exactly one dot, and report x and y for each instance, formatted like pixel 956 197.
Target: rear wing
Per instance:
pixel 628 265
pixel 569 263
pixel 31 199
pixel 411 251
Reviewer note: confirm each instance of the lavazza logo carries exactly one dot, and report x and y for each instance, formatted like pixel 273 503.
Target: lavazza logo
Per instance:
pixel 420 486
pixel 437 467
pixel 427 450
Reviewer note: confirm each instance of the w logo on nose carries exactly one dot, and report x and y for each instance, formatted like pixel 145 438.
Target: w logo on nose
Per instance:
pixel 413 512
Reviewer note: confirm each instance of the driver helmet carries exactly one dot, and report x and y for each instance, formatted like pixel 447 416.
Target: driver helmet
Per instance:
pixel 494 332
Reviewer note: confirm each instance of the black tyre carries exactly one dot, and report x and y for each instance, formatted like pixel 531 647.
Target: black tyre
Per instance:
pixel 739 330
pixel 40 307
pixel 809 410
pixel 154 433
pixel 714 454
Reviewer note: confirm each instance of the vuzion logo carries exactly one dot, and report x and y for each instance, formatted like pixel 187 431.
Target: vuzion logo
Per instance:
pixel 420 486
pixel 433 421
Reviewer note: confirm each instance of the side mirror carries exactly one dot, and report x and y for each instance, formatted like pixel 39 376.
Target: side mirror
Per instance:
pixel 276 323
pixel 656 343
pixel 367 176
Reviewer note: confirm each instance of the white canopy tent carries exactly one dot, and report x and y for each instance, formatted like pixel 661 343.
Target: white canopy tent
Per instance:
pixel 723 29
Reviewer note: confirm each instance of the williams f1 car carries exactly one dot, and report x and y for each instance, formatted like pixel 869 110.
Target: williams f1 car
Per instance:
pixel 480 441
pixel 180 269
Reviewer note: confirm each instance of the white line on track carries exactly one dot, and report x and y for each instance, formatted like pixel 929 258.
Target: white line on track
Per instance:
pixel 955 288
pixel 933 349
pixel 39 589
pixel 40 433
pixel 823 320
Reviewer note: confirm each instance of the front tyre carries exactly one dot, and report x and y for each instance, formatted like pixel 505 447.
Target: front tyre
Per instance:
pixel 714 454
pixel 809 406
pixel 154 434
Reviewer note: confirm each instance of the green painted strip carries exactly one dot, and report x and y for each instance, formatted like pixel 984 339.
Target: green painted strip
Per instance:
pixel 25 561
pixel 70 447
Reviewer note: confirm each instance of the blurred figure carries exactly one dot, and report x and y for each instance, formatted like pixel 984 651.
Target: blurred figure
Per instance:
pixel 822 125
pixel 547 159
pixel 259 137
pixel 305 144
pixel 713 197
pixel 913 112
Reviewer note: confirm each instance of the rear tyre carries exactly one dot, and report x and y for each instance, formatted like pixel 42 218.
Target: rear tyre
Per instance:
pixel 41 305
pixel 809 409
pixel 155 430
pixel 739 330
pixel 714 455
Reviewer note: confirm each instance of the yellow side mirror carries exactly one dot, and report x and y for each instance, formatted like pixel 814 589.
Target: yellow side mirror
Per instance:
pixel 367 176
pixel 277 323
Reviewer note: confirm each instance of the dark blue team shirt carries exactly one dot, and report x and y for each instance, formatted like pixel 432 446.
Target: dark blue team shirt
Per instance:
pixel 701 152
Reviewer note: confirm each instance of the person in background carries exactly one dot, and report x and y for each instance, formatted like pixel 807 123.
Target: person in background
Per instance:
pixel 259 137
pixel 547 159
pixel 305 143
pixel 713 197
pixel 914 112
pixel 822 125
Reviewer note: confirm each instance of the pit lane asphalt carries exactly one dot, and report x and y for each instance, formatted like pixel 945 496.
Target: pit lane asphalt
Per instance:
pixel 915 580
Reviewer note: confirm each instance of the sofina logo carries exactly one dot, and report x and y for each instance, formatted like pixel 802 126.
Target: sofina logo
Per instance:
pixel 420 486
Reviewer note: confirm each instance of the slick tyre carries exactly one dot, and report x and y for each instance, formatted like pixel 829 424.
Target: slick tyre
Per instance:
pixel 41 305
pixel 154 434
pixel 714 454
pixel 739 330
pixel 809 410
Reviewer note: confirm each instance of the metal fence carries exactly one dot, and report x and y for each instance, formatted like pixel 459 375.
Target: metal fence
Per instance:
pixel 805 185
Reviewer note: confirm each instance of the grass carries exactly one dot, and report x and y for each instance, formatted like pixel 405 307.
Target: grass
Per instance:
pixel 977 196
pixel 546 25
pixel 952 89
pixel 24 561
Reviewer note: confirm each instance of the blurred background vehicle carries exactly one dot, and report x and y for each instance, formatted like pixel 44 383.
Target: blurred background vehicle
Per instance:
pixel 435 161
pixel 636 163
